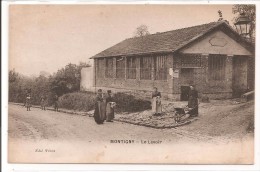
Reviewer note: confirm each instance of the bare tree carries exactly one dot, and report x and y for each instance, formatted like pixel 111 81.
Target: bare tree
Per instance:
pixel 141 30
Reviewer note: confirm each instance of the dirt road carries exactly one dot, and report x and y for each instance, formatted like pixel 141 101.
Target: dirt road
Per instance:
pixel 49 125
pixel 38 136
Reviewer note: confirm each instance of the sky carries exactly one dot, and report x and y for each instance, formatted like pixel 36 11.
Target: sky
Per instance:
pixel 48 37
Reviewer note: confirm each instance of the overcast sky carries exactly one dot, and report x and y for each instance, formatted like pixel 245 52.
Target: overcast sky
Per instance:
pixel 47 37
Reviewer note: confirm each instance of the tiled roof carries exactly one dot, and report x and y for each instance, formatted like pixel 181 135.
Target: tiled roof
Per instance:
pixel 159 42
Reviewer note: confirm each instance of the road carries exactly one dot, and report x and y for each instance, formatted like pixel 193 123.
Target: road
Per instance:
pixel 38 136
pixel 49 125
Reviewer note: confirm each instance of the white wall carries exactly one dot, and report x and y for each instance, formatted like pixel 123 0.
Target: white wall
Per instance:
pixel 86 81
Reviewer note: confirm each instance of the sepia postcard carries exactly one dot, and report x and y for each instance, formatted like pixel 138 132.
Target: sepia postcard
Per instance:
pixel 135 83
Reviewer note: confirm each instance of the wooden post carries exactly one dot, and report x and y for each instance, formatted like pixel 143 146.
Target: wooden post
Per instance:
pixel 125 67
pixel 169 77
pixel 95 74
pixel 153 68
pixel 114 68
pixel 138 68
pixel 205 65
pixel 229 72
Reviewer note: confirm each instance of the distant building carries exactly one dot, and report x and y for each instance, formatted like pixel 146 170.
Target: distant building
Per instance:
pixel 213 57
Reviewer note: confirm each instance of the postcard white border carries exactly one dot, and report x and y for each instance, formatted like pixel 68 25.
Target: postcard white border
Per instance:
pixel 111 167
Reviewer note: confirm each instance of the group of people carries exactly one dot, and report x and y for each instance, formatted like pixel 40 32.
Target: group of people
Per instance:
pixel 193 102
pixel 104 107
pixel 43 102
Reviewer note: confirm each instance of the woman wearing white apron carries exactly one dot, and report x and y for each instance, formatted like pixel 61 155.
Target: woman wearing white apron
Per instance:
pixel 156 102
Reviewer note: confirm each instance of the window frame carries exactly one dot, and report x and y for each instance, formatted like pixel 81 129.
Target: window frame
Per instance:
pixel 131 67
pixel 146 73
pixel 217 68
pixel 120 72
pixel 160 67
pixel 99 62
pixel 109 69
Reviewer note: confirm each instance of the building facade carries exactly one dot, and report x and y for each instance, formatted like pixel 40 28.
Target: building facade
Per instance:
pixel 213 57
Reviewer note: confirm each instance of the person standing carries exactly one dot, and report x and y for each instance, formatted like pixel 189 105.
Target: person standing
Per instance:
pixel 56 105
pixel 43 102
pixel 110 104
pixel 193 102
pixel 156 102
pixel 100 108
pixel 28 102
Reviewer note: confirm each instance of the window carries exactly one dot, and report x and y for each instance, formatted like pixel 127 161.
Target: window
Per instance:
pixel 99 67
pixel 109 68
pixel 190 60
pixel 120 67
pixel 146 68
pixel 216 66
pixel 131 68
pixel 160 68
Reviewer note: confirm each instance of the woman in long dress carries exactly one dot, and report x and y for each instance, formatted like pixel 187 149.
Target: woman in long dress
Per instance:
pixel 110 114
pixel 100 108
pixel 156 102
pixel 193 102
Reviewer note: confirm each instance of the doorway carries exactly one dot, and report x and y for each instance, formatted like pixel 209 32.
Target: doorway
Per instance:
pixel 239 85
pixel 185 93
pixel 187 78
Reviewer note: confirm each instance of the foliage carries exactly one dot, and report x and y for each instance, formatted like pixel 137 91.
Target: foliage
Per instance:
pixel 128 103
pixel 66 80
pixel 250 12
pixel 86 101
pixel 13 76
pixel 83 101
pixel 142 30
pixel 65 83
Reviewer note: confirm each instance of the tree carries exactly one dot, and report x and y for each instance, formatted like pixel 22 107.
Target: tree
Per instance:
pixel 66 80
pixel 13 76
pixel 142 30
pixel 249 11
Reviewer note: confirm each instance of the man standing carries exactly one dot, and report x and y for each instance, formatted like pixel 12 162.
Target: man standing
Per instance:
pixel 193 102
pixel 56 99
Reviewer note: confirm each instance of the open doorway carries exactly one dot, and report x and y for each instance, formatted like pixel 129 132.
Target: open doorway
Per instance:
pixel 239 85
pixel 187 78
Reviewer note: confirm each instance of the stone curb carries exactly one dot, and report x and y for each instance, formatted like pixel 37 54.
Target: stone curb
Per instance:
pixel 118 120
pixel 152 126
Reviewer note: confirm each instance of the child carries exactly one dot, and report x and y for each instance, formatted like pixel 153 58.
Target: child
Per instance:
pixel 28 102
